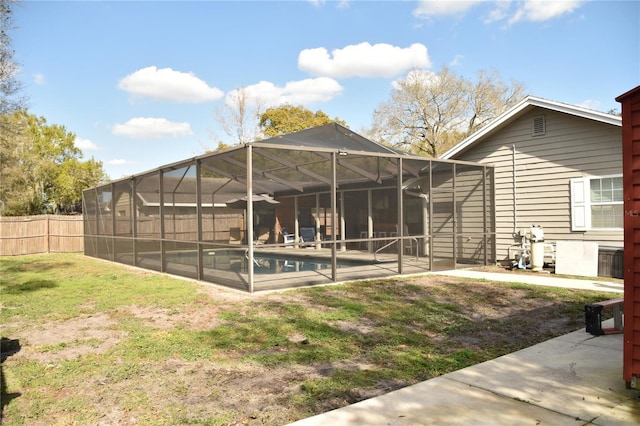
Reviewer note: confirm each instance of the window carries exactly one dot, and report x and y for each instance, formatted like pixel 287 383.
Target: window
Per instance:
pixel 597 203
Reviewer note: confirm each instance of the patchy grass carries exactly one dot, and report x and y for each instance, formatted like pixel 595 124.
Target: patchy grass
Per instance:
pixel 94 342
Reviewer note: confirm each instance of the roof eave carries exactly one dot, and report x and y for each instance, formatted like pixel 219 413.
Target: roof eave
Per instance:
pixel 526 103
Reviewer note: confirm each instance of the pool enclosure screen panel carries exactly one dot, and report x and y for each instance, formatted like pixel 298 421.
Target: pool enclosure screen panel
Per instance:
pixel 317 206
pixel 90 222
pixel 469 214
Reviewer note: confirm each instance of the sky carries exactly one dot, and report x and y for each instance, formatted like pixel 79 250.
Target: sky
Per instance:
pixel 140 83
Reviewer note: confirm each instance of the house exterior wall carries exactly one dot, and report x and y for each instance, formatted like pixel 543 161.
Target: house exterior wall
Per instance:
pixel 571 147
pixel 460 206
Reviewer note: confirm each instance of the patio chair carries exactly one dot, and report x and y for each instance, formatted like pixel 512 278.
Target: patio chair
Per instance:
pixel 262 236
pixel 235 236
pixel 287 237
pixel 407 244
pixel 308 235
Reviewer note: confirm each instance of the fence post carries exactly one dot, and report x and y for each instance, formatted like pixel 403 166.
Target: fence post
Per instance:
pixel 47 247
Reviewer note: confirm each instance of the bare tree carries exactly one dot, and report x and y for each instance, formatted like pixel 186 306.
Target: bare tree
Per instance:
pixel 490 97
pixel 239 116
pixel 430 112
pixel 10 87
pixel 11 101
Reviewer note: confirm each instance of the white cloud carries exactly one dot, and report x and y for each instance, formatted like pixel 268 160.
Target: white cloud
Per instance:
pixel 590 103
pixel 527 10
pixel 364 60
pixel 311 90
pixel 429 8
pixel 457 60
pixel 119 162
pixel 500 12
pixel 39 79
pixel 266 94
pixel 86 144
pixel 342 4
pixel 148 127
pixel 543 10
pixel 167 84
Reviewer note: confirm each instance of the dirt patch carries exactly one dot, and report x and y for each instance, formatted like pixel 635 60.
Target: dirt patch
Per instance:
pixel 197 319
pixel 62 340
pixel 360 327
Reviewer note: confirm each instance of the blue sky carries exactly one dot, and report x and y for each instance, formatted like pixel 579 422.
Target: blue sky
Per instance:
pixel 140 83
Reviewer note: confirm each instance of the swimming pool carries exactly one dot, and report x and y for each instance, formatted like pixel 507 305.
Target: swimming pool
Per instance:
pixel 264 263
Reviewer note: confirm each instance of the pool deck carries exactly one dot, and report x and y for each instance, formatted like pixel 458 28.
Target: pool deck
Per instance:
pixel 385 266
pixel 295 275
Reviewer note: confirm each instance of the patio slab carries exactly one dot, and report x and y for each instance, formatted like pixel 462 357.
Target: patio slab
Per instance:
pixel 574 379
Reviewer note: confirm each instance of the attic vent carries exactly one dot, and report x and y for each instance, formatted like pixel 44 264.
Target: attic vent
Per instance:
pixel 539 126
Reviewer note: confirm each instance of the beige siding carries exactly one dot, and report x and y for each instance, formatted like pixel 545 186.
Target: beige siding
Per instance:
pixel 463 216
pixel 572 147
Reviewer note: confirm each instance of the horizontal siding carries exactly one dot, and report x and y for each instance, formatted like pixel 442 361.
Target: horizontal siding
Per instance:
pixel 572 147
pixel 467 209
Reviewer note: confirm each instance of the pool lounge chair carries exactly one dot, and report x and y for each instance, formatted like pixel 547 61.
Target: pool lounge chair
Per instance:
pixel 308 235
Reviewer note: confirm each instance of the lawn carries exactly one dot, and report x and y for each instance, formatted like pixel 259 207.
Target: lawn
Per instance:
pixel 90 342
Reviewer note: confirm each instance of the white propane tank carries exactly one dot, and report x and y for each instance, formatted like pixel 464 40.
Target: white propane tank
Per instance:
pixel 537 248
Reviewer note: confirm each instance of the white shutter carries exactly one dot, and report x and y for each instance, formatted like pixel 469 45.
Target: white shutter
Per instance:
pixel 580 206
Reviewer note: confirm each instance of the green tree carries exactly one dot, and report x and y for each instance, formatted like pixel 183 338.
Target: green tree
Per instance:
pixel 288 119
pixel 430 112
pixel 41 168
pixel 221 147
pixel 74 176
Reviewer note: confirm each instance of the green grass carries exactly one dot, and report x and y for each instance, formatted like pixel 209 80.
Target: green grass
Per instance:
pixel 359 337
pixel 69 285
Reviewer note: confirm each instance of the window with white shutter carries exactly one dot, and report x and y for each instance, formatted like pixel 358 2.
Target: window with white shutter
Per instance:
pixel 579 209
pixel 597 203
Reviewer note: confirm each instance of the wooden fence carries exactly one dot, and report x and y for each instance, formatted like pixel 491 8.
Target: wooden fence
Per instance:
pixel 41 234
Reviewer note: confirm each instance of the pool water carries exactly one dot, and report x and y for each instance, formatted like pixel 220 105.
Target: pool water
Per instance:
pixel 270 263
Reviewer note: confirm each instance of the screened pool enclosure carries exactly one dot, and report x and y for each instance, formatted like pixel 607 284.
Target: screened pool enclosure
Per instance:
pixel 317 206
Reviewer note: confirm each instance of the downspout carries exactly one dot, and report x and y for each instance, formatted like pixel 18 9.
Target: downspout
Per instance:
pixel 425 202
pixel 515 191
pixel 424 197
pixel 425 206
pixel 425 215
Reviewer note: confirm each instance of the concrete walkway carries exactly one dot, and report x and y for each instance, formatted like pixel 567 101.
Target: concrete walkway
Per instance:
pixel 539 278
pixel 575 379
